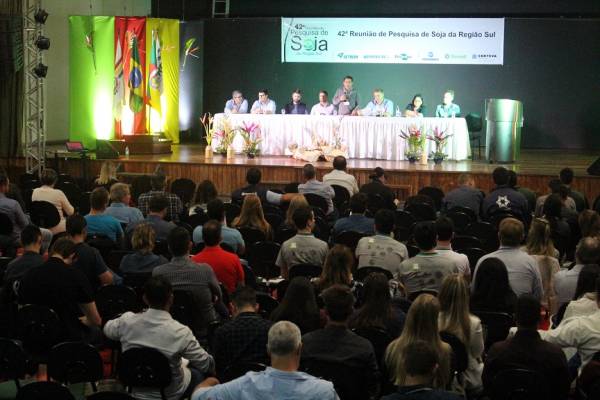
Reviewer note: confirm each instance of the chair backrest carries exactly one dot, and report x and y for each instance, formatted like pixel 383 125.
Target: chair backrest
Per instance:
pixel 349 239
pixel 486 233
pixel 474 122
pixel 412 296
pixel 436 194
pixel 317 201
pixel 144 367
pixel 197 219
pixel 109 396
pixel 44 214
pixel 460 358
pixel 274 219
pixel 84 203
pixel 342 198
pixel 184 189
pixel 375 202
pixel 184 308
pixel 114 258
pixel 6 225
pixel 136 281
pixel 283 234
pixel 140 184
pixel 266 304
pixel 349 382
pixel 460 242
pixel 363 272
pixel 465 210
pixel 240 368
pixel 75 362
pixel 252 235
pixel 496 326
pixel 232 210
pixel 44 391
pixel 473 254
pixel 412 250
pixel 460 220
pixel 519 384
pixel 38 327
pixel 422 211
pixel 161 248
pixel 404 223
pixel 379 338
pixel 14 361
pixel 73 193
pixel 112 301
pixel 306 270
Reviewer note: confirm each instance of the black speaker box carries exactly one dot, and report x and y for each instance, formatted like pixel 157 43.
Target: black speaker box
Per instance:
pixel 105 150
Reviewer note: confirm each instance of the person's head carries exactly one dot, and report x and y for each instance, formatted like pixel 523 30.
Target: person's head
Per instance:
pixel 158 182
pixel 31 238
pixel 323 96
pixel 448 96
pixel 244 300
pixel 586 280
pixel 339 163
pixel 384 221
pixel 252 212
pixel 337 267
pixel 296 96
pixel 554 185
pixel 143 238
pixel 588 251
pixel 108 172
pixel 358 203
pixel 99 199
pixel 158 205
pixel 425 235
pixel 339 303
pixel 454 306
pixel 303 218
pixel 566 176
pixel 466 180
pixel 417 101
pixel 4 182
pixel 378 174
pixel 348 82
pixel 237 97
pixel 253 176
pixel 179 241
pixel 589 223
pixel 120 193
pixel 263 95
pixel 444 229
pixel 512 179
pixel 158 293
pixel 511 232
pixel 422 319
pixel 500 176
pixel 215 209
pixel 378 95
pixel 491 282
pixel 205 192
pixel 76 226
pixel 63 248
pixel 297 202
pixel 308 172
pixel 421 362
pixel 299 301
pixel 553 206
pixel 284 343
pixel 48 177
pixel 211 233
pixel 527 314
pixel 376 309
pixel 539 240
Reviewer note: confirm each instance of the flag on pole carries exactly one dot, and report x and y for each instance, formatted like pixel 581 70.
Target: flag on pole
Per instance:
pixel 155 77
pixel 119 89
pixel 136 94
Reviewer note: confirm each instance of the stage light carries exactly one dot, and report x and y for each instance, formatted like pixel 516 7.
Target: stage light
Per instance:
pixel 40 16
pixel 41 70
pixel 42 43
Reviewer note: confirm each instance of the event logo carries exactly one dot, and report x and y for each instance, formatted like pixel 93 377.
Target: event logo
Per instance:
pixel 308 40
pixel 308 44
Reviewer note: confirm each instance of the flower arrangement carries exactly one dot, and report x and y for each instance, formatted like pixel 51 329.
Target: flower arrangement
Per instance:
pixel 207 121
pixel 416 142
pixel 440 140
pixel 225 136
pixel 251 135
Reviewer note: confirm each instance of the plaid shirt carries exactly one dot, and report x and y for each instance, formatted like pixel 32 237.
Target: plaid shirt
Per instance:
pixel 175 204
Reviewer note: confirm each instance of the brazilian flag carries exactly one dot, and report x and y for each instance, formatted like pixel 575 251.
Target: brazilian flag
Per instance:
pixel 136 94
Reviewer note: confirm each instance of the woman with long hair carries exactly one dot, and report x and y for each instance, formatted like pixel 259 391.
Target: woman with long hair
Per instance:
pixel 421 324
pixel 491 289
pixel 299 305
pixel 337 268
pixel 252 216
pixel 456 319
pixel 377 310
pixel 297 202
pixel 589 223
pixel 584 301
pixel 108 175
pixel 205 192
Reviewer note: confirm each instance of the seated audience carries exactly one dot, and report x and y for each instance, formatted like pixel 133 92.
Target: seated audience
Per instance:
pixel 304 247
pixel 421 325
pixel 337 270
pixel 108 175
pixel 54 196
pixel 589 223
pixel 456 319
pixel 31 240
pixel 66 290
pixel 323 107
pixel 357 221
pixel 377 186
pixel 340 177
pixel 465 195
pixel 142 260
pixel 232 237
pixel 444 228
pixel 529 194
pixel 559 226
pixel 491 289
pixel 297 202
pixel 565 281
pixel 99 223
pixel 159 184
pixel 155 328
pixel 527 350
pixel 281 380
pixel 253 177
pixel 377 310
pixel 244 338
pixel 523 273
pixel 555 188
pixel 205 193
pixel 12 209
pixel 336 343
pixel 426 270
pixel 296 106
pixel 584 300
pixel 566 178
pixel 120 197
pixel 382 250
pixel 504 198
pixel 226 265
pixel 313 186
pixel 252 216
pixel 156 218
pixel 299 305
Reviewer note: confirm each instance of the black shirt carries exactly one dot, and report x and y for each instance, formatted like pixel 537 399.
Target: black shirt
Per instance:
pixel 237 196
pixel 90 262
pixel 376 187
pixel 411 107
pixel 18 267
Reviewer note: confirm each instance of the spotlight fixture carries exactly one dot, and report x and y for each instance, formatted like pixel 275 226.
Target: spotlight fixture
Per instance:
pixel 40 16
pixel 42 43
pixel 41 70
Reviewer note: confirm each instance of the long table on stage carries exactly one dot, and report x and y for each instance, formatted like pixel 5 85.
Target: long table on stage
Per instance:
pixel 365 137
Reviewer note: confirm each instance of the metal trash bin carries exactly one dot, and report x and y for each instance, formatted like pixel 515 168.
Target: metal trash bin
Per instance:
pixel 504 120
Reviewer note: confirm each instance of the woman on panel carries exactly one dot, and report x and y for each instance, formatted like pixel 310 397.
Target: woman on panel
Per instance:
pixel 416 108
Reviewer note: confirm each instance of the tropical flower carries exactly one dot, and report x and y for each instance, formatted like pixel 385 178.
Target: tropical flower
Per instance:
pixel 440 140
pixel 207 121
pixel 416 141
pixel 250 132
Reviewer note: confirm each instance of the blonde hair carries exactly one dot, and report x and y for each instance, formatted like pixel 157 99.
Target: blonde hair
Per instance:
pixel 252 215
pixel 108 173
pixel 539 240
pixel 337 268
pixel 297 202
pixel 421 324
pixel 454 308
pixel 143 237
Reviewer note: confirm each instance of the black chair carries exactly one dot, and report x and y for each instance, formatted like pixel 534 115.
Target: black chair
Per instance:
pixel 184 309
pixel 465 210
pixel 497 217
pixel 6 225
pixel 519 384
pixel 306 270
pixel 486 233
pixel 114 258
pixel 73 193
pixel 197 219
pixel 349 239
pixel 412 250
pixel 436 194
pixel 281 288
pixel 460 242
pixel 379 338
pixel 39 328
pixel 322 228
pixel 144 367
pixel 349 382
pixel 161 248
pixel 184 189
pixel 44 214
pixel 412 296
pixel 186 226
pixel 496 326
pixel 363 272
pixel 459 360
pixel 136 281
pixel 249 276
pixel 422 211
pixel 75 362
pixel 109 396
pixel 84 203
pixel 15 364
pixel 473 254
pixel 404 222
pixel 283 234
pixel 112 301
pixel 341 200
pixel 232 211
pixel 262 256
pixel 140 184
pixel 266 304
pixel 274 220
pixel 44 391
pixel 252 235
pixel 239 369
pixel 474 126
pixel 375 202
pixel 317 201
pixel 460 220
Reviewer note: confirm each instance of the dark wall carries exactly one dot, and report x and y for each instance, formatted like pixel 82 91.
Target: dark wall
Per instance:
pixel 551 65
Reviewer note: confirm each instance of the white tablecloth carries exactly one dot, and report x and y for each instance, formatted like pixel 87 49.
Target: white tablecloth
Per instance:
pixel 364 137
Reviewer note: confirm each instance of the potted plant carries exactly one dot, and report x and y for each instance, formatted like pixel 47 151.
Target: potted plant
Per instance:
pixel 207 121
pixel 251 135
pixel 415 141
pixel 440 140
pixel 225 137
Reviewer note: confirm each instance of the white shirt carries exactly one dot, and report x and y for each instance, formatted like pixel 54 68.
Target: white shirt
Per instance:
pixel 156 329
pixel 460 260
pixel 320 109
pixel 586 305
pixel 59 200
pixel 341 178
pixel 269 106
pixel 565 283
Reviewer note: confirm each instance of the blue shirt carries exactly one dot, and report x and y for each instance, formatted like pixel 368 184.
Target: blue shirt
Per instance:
pixel 268 106
pixel 356 223
pixel 105 225
pixel 270 384
pixel 230 236
pixel 241 109
pixel 447 111
pixel 372 109
pixel 123 213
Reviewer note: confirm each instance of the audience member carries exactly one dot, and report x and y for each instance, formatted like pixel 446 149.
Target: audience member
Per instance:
pixel 54 196
pixel 155 328
pixel 120 197
pixel 491 289
pixel 336 343
pixel 232 237
pixel 529 194
pixel 523 273
pixel 108 175
pixel 382 250
pixel 337 269
pixel 99 223
pixel 205 193
pixel 357 221
pixel 174 204
pixel 253 177
pixel 426 270
pixel 31 240
pixel 340 177
pixel 142 260
pixel 244 338
pixel 299 305
pixel 444 228
pixel 281 380
pixel 566 178
pixel 252 216
pixel 226 265
pixel 528 351
pixel 304 247
pixel 156 218
pixel 559 227
pixel 299 201
pixel 503 198
pixel 465 195
pixel 584 300
pixel 589 223
pixel 565 281
pixel 555 188
pixel 377 185
pixel 12 209
pixel 312 186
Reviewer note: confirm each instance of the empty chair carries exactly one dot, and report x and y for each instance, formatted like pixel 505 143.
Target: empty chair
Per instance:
pixel 44 214
pixel 185 311
pixel 6 225
pixel 75 362
pixel 184 189
pixel 436 194
pixel 519 384
pixel 14 361
pixel 266 304
pixel 486 233
pixel 306 270
pixel 252 235
pixel 363 272
pixel 72 191
pixel 240 369
pixel 39 328
pixel 317 201
pixel 145 368
pixel 475 125
pixel 113 301
pixel 136 281
pixel 465 242
pixel 113 260
pixel 44 391
pixel 422 211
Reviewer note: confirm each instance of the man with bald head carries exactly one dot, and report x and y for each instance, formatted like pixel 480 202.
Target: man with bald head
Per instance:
pixel 565 280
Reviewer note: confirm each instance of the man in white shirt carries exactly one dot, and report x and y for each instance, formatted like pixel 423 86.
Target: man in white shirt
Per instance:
pixel 340 177
pixel 323 107
pixel 156 329
pixel 445 232
pixel 379 106
pixel 264 105
pixel 565 280
pixel 237 104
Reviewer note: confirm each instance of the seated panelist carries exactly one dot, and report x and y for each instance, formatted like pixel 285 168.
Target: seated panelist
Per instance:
pixel 415 108
pixel 379 106
pixel 323 107
pixel 448 109
pixel 263 105
pixel 296 106
pixel 237 104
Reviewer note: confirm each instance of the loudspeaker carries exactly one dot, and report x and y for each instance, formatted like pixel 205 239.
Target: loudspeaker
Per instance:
pixel 594 169
pixel 11 45
pixel 105 150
